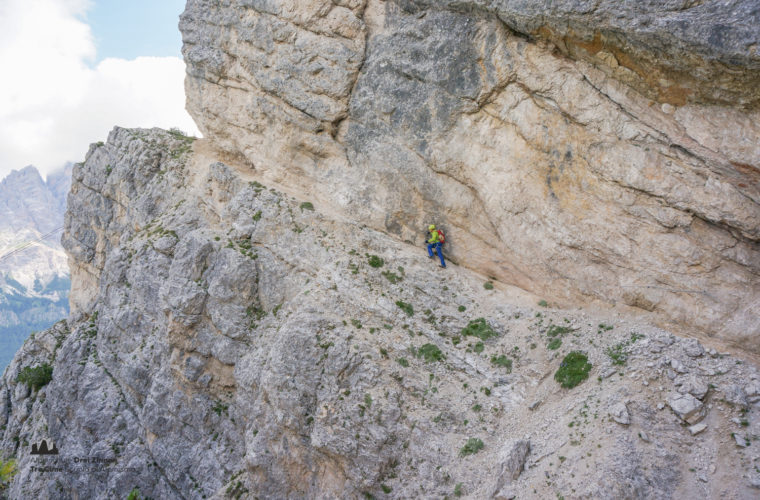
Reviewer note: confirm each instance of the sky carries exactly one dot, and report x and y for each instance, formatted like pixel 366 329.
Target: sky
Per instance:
pixel 73 69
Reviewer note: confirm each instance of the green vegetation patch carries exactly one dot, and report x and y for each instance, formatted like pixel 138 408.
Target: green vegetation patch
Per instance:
pixel 472 446
pixel 403 362
pixel 307 205
pixel 554 344
pixel 502 361
pixel 555 330
pixel 8 469
pixel 461 308
pixel 36 378
pixel 375 261
pixel 407 308
pixel 479 328
pixel 573 370
pixel 488 285
pixel 392 277
pixel 430 353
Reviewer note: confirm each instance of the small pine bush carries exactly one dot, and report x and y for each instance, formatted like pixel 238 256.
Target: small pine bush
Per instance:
pixel 479 328
pixel 37 377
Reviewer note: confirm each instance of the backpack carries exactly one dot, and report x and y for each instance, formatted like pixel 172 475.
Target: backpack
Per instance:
pixel 441 236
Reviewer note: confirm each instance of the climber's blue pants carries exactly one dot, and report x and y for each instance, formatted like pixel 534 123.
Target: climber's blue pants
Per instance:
pixel 438 250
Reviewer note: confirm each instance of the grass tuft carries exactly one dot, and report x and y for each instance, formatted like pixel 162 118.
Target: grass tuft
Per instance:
pixel 479 328
pixel 472 446
pixel 407 308
pixel 502 361
pixel 375 261
pixel 430 353
pixel 573 370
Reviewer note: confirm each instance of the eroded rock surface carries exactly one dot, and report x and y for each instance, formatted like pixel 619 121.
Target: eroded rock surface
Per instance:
pixel 586 151
pixel 232 341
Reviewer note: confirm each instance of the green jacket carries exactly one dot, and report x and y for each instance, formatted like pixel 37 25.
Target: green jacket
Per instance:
pixel 433 236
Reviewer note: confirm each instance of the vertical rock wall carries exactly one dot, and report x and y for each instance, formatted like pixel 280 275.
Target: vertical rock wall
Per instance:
pixel 585 152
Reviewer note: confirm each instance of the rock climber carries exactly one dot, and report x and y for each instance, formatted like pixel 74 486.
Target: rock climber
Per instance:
pixel 436 241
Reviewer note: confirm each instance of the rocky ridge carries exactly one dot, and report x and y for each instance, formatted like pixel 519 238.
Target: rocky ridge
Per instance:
pixel 585 151
pixel 208 357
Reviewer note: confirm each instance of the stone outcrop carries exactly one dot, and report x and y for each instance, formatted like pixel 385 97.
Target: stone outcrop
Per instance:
pixel 251 315
pixel 229 340
pixel 586 151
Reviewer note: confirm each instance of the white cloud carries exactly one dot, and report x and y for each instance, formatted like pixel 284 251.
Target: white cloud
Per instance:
pixel 53 104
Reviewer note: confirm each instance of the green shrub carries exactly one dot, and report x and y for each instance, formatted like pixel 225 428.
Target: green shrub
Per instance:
pixel 375 261
pixel 430 353
pixel 573 370
pixel 554 344
pixel 403 362
pixel 479 328
pixel 257 216
pixel 488 285
pixel 472 446
pixel 134 494
pixel 461 308
pixel 555 330
pixel 479 347
pixel 407 308
pixel 306 205
pixel 543 303
pixel 458 490
pixel 8 469
pixel 502 361
pixel 37 377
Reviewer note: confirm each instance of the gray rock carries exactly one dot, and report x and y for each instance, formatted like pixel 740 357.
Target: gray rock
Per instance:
pixel 692 348
pixel 741 441
pixel 734 394
pixel 512 456
pixel 752 391
pixel 619 413
pixel 696 429
pixel 691 384
pixel 687 407
pixel 678 366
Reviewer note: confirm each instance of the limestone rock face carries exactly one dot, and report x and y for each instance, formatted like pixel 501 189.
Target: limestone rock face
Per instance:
pixel 585 151
pixel 229 340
